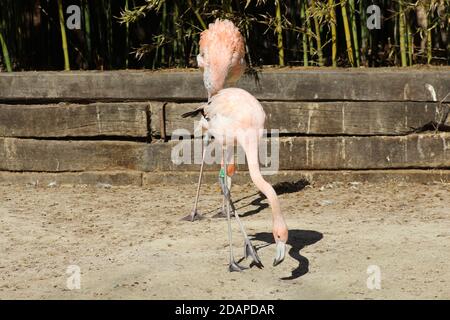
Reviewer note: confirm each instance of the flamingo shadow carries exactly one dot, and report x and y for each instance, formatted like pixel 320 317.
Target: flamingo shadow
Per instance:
pixel 298 239
pixel 280 188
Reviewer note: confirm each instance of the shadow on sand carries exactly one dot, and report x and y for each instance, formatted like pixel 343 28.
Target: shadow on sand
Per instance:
pixel 298 239
pixel 280 188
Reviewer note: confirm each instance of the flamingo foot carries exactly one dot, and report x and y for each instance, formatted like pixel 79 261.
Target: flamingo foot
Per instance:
pixel 235 267
pixel 193 216
pixel 249 250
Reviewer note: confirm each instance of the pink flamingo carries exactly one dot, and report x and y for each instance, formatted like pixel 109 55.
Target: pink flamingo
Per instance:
pixel 233 110
pixel 234 116
pixel 221 59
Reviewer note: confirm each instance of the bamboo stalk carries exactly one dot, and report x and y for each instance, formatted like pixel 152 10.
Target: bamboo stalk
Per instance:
pixel 333 32
pixel 318 39
pixel 396 31
pixel 197 15
pixel 164 31
pixel 410 43
pixel 402 32
pixel 109 31
pixel 365 35
pixel 348 37
pixel 304 35
pixel 4 20
pixel 279 31
pixel 429 47
pixel 87 30
pixel 101 43
pixel 309 33
pixel 127 39
pixel 5 53
pixel 354 30
pixel 246 34
pixel 226 6
pixel 177 39
pixel 63 35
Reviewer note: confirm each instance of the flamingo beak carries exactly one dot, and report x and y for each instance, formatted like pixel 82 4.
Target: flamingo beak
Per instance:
pixel 281 252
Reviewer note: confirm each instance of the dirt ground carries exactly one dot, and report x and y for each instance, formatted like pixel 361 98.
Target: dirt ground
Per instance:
pixel 129 243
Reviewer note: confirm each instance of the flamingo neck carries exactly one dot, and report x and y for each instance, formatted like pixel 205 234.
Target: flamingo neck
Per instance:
pixel 279 225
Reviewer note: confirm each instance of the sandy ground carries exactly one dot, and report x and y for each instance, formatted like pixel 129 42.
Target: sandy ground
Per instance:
pixel 129 243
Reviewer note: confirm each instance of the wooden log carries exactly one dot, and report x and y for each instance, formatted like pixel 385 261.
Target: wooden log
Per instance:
pixel 104 85
pixel 157 123
pixel 382 84
pixel 72 120
pixel 330 153
pixel 295 153
pixel 102 179
pixel 314 177
pixel 58 155
pixel 385 84
pixel 130 119
pixel 379 152
pixel 327 118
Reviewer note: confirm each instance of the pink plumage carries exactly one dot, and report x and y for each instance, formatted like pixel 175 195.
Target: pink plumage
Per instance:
pixel 222 55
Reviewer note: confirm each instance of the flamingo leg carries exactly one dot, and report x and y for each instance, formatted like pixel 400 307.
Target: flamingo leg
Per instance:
pixel 249 249
pixel 233 266
pixel 195 215
pixel 222 213
pixel 229 156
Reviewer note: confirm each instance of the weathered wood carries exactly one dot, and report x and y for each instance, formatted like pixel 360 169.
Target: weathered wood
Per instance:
pixel 130 119
pixel 56 155
pixel 71 120
pixel 393 84
pixel 156 125
pixel 413 151
pixel 332 153
pixel 104 85
pixel 295 153
pixel 315 177
pixel 327 118
pixel 48 179
pixel 150 179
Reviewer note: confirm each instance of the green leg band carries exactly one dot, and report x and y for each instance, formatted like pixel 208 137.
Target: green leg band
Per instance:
pixel 222 173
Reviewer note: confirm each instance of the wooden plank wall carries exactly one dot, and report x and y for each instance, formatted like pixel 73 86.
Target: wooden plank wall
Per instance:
pixel 115 127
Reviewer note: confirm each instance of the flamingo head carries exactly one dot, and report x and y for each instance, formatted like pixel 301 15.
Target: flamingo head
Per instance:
pixel 280 234
pixel 215 69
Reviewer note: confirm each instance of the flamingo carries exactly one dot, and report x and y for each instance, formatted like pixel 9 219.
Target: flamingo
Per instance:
pixel 221 59
pixel 234 116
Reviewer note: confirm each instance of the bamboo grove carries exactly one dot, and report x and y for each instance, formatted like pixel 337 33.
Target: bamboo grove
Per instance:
pixel 152 34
